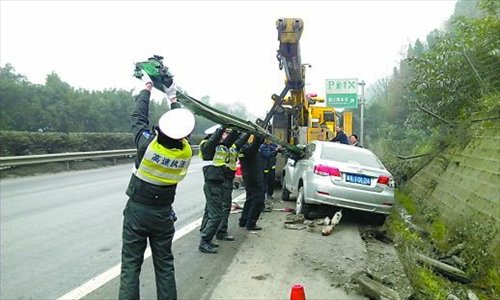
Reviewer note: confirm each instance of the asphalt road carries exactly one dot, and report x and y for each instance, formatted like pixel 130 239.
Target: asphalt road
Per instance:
pixel 58 231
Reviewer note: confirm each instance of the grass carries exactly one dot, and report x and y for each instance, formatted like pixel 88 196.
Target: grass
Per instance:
pixel 429 285
pixel 439 235
pixel 406 202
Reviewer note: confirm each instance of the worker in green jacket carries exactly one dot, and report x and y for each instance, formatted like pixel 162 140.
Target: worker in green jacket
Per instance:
pixel 216 148
pixel 162 160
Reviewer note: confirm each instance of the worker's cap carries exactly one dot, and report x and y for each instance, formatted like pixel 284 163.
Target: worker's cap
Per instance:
pixel 212 129
pixel 177 123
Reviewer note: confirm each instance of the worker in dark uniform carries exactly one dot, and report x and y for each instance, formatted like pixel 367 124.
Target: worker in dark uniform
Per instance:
pixel 227 198
pixel 163 156
pixel 253 175
pixel 215 148
pixel 269 150
pixel 340 137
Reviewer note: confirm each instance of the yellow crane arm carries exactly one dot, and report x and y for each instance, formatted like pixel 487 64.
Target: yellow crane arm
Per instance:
pixel 288 55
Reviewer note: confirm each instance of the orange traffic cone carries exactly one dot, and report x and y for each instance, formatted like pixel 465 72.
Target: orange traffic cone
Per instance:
pixel 298 292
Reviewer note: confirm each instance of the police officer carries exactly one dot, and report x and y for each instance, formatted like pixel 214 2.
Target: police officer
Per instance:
pixel 162 159
pixel 227 197
pixel 216 148
pixel 253 175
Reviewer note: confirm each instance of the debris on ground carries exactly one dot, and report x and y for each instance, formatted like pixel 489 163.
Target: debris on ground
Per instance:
pixel 382 263
pixel 262 277
pixel 286 209
pixel 330 223
pixel 413 227
pixel 295 226
pixel 236 208
pixel 319 222
pixel 291 218
pixel 377 233
pixel 336 218
pixel 327 230
pixel 471 295
pixel 455 250
pixel 444 269
pixel 375 289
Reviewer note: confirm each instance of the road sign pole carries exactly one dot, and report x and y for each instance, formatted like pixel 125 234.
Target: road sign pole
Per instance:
pixel 362 103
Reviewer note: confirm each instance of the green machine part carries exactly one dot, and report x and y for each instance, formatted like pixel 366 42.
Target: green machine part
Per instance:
pixel 159 74
pixel 162 79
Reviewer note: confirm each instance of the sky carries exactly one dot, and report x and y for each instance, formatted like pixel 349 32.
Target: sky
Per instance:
pixel 222 49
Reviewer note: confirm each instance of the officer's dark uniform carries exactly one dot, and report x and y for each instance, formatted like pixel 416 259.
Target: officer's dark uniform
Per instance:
pixel 227 198
pixel 269 152
pixel 253 175
pixel 215 174
pixel 341 137
pixel 160 163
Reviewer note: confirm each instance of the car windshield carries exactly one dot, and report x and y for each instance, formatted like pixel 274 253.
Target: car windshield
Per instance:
pixel 342 155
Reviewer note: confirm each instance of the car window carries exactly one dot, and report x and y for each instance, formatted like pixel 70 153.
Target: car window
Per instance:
pixel 345 156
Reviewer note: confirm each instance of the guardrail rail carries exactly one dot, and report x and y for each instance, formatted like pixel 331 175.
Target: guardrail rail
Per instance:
pixel 9 161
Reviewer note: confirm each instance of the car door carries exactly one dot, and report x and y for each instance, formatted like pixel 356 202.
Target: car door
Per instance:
pixel 289 170
pixel 301 166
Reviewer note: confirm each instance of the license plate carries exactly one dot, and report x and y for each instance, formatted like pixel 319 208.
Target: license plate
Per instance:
pixel 359 179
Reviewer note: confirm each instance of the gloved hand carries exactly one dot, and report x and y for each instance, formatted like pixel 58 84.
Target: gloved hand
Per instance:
pixel 172 216
pixel 171 92
pixel 141 84
pixel 145 78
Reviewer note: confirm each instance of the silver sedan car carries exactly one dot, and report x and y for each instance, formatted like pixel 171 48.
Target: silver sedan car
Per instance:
pixel 339 175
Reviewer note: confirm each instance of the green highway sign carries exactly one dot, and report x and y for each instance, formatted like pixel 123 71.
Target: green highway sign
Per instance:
pixel 342 100
pixel 342 93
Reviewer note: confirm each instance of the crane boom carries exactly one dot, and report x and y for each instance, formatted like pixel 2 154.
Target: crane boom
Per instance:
pixel 288 55
pixel 289 33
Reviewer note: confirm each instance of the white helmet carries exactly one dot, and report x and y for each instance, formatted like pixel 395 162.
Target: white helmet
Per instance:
pixel 212 129
pixel 177 123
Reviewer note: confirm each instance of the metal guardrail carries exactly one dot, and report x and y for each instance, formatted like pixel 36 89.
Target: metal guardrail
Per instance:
pixel 8 161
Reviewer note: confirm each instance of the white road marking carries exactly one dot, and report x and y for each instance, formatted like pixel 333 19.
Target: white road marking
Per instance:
pixel 98 281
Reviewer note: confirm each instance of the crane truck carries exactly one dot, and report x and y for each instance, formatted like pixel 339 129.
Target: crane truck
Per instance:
pixel 296 116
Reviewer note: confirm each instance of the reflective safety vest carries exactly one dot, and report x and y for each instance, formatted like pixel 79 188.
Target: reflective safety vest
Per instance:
pixel 269 170
pixel 233 158
pixel 222 156
pixel 162 166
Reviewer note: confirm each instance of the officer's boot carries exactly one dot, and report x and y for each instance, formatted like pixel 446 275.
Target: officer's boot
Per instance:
pixel 207 247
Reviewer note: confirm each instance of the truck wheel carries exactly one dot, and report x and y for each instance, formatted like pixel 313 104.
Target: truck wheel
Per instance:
pixel 285 194
pixel 301 206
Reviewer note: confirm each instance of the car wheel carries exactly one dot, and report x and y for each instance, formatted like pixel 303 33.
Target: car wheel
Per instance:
pixel 301 206
pixel 379 219
pixel 285 193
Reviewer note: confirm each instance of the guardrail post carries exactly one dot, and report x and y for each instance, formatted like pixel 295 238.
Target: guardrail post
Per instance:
pixel 68 165
pixel 114 161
